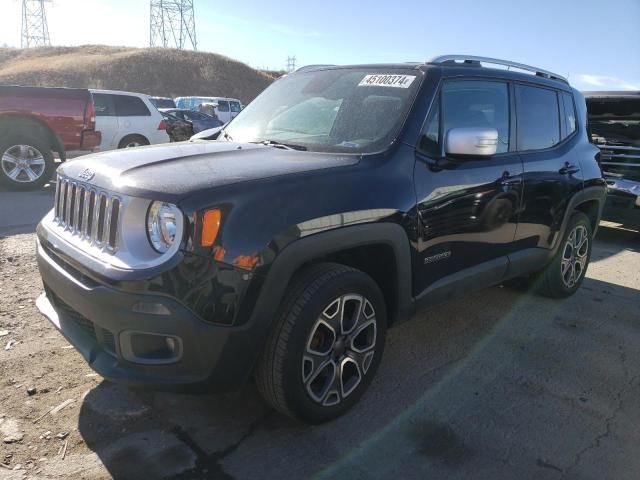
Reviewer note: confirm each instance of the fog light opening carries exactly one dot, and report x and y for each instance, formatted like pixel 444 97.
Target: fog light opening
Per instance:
pixel 150 348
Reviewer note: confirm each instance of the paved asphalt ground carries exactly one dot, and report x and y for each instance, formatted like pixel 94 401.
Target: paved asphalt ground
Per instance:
pixel 499 384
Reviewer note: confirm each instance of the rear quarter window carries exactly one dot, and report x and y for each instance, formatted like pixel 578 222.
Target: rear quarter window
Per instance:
pixel 103 104
pixel 130 106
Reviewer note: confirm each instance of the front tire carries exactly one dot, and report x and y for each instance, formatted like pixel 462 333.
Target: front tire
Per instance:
pixel 564 275
pixel 326 344
pixel 25 163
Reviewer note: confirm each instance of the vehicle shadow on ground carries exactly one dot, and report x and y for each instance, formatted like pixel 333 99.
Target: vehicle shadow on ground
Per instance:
pixel 20 212
pixel 611 240
pixel 161 435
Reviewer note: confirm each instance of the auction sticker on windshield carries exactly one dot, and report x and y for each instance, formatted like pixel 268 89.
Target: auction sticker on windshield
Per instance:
pixel 382 80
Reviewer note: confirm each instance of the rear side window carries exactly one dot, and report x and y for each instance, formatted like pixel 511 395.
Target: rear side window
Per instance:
pixel 223 106
pixel 468 103
pixel 130 106
pixel 235 107
pixel 569 114
pixel 538 118
pixel 104 105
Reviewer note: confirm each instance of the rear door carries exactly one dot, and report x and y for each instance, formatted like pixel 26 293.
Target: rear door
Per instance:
pixel 551 170
pixel 235 108
pixel 134 118
pixel 223 110
pixel 106 120
pixel 467 207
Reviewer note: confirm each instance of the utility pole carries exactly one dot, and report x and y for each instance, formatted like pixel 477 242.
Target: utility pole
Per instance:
pixel 35 31
pixel 291 63
pixel 172 24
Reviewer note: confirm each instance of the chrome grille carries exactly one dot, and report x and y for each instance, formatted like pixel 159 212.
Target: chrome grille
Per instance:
pixel 88 212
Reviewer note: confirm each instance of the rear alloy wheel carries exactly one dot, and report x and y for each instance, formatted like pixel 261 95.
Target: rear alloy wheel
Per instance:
pixel 565 273
pixel 574 256
pixel 326 345
pixel 133 141
pixel 25 165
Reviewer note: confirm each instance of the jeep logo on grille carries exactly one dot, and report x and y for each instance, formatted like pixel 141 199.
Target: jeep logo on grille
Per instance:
pixel 87 174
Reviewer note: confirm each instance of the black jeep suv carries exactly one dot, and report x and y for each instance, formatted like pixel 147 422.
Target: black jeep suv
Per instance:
pixel 337 203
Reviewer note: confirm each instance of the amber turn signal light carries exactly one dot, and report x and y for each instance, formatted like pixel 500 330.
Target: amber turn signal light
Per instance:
pixel 210 227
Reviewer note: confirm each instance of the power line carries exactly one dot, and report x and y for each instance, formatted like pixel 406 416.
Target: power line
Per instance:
pixel 172 24
pixel 291 63
pixel 35 31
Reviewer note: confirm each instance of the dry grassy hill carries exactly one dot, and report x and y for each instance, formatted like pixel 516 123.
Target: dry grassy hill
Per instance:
pixel 154 71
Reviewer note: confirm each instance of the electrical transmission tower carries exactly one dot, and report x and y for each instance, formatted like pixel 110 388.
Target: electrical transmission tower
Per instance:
pixel 291 63
pixel 35 31
pixel 173 24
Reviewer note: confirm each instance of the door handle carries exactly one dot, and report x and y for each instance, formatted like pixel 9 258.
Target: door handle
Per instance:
pixel 568 169
pixel 507 180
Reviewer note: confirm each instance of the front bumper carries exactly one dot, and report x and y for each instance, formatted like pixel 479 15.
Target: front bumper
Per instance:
pixel 96 320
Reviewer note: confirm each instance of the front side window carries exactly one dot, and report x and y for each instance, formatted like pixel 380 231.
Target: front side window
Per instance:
pixel 130 106
pixel 353 110
pixel 223 106
pixel 538 118
pixel 235 107
pixel 468 103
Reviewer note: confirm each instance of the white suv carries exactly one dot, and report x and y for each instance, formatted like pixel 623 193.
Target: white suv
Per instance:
pixel 226 108
pixel 127 120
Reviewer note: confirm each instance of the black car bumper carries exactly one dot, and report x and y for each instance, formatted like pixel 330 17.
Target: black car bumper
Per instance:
pixel 120 342
pixel 623 201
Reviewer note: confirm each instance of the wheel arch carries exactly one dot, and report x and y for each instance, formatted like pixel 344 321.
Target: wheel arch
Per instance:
pixel 590 201
pixel 132 135
pixel 381 250
pixel 14 123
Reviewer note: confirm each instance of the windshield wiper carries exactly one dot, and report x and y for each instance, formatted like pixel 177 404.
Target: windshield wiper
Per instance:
pixel 226 136
pixel 285 146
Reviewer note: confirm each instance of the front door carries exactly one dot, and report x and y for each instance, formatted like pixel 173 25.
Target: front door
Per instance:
pixel 467 207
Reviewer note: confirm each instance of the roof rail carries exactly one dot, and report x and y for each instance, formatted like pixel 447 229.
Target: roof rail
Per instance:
pixel 307 68
pixel 471 59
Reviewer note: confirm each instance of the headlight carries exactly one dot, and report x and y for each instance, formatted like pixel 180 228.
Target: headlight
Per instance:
pixel 162 225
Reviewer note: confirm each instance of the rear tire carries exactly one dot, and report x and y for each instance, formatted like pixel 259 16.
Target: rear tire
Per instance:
pixel 565 273
pixel 131 141
pixel 25 163
pixel 325 345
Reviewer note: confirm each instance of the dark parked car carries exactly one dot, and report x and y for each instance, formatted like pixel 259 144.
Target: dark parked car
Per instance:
pixel 35 122
pixel 178 129
pixel 162 102
pixel 200 121
pixel 334 206
pixel 614 121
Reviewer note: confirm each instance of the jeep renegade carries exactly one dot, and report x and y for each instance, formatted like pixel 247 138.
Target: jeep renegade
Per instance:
pixel 339 202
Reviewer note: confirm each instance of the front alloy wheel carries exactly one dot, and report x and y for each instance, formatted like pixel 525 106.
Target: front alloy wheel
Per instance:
pixel 326 345
pixel 340 349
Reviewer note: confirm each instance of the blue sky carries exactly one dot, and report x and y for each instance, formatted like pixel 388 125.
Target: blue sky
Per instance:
pixel 595 43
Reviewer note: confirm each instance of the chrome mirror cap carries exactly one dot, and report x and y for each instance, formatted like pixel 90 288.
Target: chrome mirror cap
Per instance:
pixel 475 141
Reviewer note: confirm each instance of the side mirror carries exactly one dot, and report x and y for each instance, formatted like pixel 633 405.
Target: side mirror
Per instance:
pixel 473 141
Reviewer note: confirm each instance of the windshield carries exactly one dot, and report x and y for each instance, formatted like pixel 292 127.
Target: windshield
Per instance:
pixel 338 110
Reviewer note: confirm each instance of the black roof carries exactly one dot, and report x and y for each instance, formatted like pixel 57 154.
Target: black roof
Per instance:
pixel 453 69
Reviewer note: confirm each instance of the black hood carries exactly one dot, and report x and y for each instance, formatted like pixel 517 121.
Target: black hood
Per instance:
pixel 176 170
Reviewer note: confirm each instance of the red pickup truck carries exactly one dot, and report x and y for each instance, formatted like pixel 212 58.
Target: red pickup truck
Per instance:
pixel 35 122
